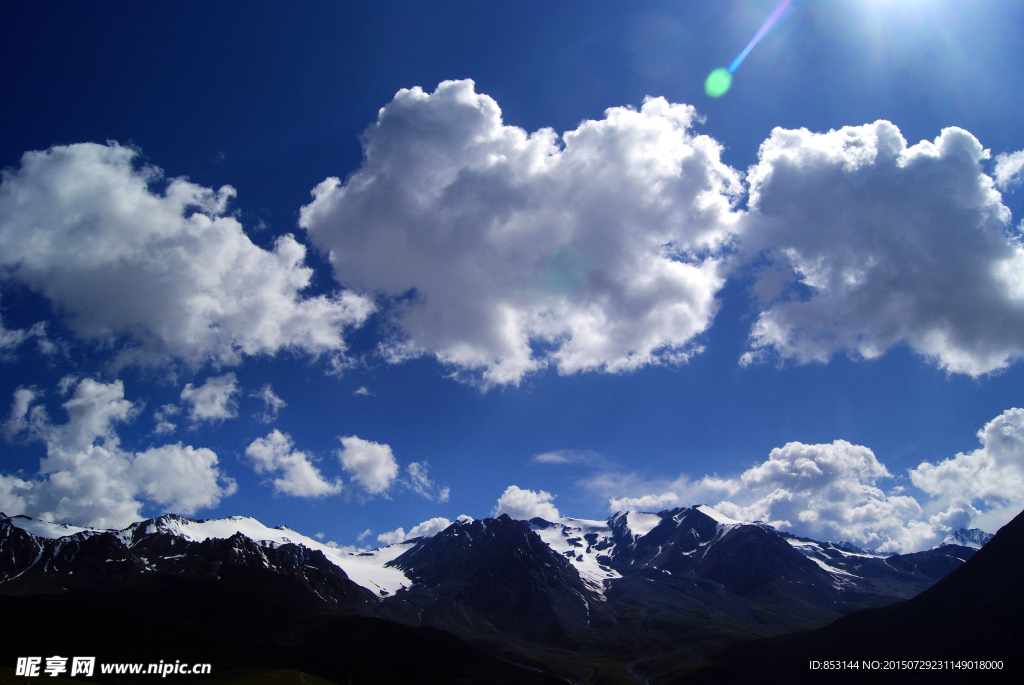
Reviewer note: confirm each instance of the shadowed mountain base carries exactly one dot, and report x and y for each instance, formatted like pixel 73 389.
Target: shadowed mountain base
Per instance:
pixel 313 648
pixel 976 613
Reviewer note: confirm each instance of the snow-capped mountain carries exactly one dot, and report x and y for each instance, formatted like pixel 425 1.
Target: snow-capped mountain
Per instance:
pixel 642 582
pixel 495 576
pixel 674 542
pixel 975 538
pixel 154 541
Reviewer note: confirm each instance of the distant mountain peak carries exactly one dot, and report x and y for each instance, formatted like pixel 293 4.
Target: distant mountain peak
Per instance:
pixel 975 538
pixel 857 549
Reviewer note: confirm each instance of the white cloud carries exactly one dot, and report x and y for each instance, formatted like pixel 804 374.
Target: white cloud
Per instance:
pixel 162 416
pixel 593 252
pixel 66 383
pixel 181 478
pixel 272 404
pixel 823 491
pixel 429 527
pixel 650 503
pixel 362 390
pixel 11 339
pixel 420 483
pixel 84 225
pixel 1009 169
pixel 15 495
pixel 87 478
pixel 426 529
pixel 214 400
pixel 885 244
pixel 585 457
pixel 834 491
pixel 276 453
pixel 630 491
pixel 526 504
pixel 20 417
pixel 993 474
pixel 392 537
pixel 372 465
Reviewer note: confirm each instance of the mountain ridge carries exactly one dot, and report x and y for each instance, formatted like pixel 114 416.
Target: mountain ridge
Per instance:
pixel 638 595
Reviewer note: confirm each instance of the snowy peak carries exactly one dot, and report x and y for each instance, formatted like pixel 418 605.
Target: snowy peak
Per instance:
pixel 588 545
pixel 601 551
pixel 975 538
pixel 718 517
pixel 850 547
pixel 162 540
pixel 498 573
pixel 50 531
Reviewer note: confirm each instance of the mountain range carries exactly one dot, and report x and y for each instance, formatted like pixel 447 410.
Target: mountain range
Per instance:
pixel 638 597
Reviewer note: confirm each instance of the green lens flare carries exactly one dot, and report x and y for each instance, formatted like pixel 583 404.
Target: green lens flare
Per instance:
pixel 718 82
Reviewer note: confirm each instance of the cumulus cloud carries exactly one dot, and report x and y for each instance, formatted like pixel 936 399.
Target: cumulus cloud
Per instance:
pixel 182 478
pixel 826 491
pixel 424 530
pixel 526 504
pixel 87 478
pixel 508 251
pixel 992 475
pixel 167 269
pixel 272 404
pixel 1009 169
pixel 841 491
pixel 276 454
pixel 420 483
pixel 214 400
pixel 884 244
pixel 372 465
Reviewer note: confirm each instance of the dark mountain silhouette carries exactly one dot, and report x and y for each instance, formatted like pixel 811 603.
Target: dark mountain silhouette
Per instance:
pixel 976 613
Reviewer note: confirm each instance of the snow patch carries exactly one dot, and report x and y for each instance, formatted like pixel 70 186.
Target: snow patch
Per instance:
pixel 831 569
pixel 718 517
pixel 366 569
pixel 51 531
pixel 809 548
pixel 569 538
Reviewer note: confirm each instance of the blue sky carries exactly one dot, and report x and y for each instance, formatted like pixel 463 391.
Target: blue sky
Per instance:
pixel 550 272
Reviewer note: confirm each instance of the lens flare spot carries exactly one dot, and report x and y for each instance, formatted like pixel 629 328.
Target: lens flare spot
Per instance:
pixel 567 271
pixel 718 82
